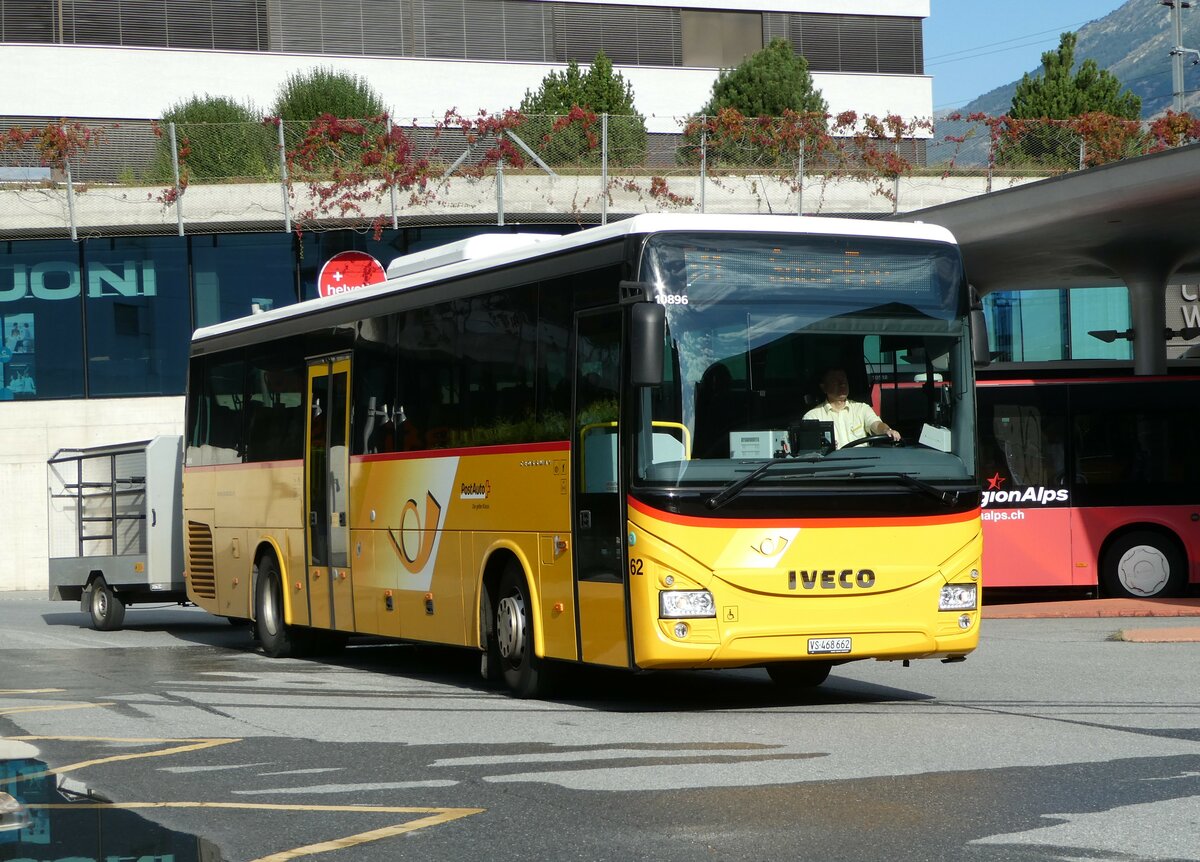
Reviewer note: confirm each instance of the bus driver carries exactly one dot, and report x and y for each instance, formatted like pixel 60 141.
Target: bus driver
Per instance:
pixel 852 420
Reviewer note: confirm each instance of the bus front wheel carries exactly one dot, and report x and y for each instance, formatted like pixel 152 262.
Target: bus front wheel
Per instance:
pixel 273 633
pixel 1143 565
pixel 797 675
pixel 513 633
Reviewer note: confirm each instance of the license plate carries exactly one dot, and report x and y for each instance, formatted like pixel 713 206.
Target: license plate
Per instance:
pixel 827 646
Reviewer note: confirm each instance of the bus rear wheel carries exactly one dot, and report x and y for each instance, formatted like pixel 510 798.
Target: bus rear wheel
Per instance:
pixel 1143 565
pixel 513 633
pixel 799 675
pixel 106 610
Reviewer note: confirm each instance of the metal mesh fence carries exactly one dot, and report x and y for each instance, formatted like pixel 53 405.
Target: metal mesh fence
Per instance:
pixel 130 178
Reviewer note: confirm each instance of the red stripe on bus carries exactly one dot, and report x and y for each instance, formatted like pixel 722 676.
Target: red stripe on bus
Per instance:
pixel 505 449
pixel 242 465
pixel 914 521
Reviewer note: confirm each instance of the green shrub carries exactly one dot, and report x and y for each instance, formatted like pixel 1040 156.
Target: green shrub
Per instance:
pixel 305 96
pixel 217 138
pixel 304 103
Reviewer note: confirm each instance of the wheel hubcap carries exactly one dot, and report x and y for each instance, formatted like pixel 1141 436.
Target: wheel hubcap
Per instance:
pixel 510 628
pixel 1143 570
pixel 101 603
pixel 270 611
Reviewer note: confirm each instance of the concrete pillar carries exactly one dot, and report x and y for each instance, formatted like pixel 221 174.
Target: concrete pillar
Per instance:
pixel 1148 312
pixel 1146 275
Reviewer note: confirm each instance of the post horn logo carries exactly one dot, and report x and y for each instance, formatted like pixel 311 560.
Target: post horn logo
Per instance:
pixel 424 528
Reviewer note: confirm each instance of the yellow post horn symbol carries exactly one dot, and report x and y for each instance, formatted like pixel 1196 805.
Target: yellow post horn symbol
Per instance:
pixel 433 514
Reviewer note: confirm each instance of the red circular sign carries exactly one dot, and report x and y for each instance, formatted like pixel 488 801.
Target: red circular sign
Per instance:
pixel 347 271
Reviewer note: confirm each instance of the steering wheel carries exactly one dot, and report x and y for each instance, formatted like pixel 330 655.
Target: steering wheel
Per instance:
pixel 872 439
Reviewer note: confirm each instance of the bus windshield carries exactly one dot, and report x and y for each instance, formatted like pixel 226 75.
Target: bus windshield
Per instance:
pixel 755 323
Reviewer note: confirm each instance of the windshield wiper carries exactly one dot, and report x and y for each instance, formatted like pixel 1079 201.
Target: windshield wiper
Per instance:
pixel 948 498
pixel 730 491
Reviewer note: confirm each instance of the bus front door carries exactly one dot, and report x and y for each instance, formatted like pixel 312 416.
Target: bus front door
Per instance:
pixel 599 510
pixel 327 494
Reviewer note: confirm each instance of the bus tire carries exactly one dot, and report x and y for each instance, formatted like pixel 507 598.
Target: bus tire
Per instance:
pixel 798 675
pixel 489 664
pixel 106 610
pixel 1143 564
pixel 273 633
pixel 519 666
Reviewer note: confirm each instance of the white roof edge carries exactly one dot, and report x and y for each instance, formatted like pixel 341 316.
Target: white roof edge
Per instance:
pixel 472 248
pixel 547 244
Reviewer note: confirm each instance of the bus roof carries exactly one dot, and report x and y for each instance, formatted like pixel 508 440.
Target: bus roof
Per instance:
pixel 490 250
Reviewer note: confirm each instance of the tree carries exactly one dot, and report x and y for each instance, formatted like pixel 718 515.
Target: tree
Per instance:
pixel 767 84
pixel 1057 93
pixel 1060 95
pixel 760 113
pixel 562 115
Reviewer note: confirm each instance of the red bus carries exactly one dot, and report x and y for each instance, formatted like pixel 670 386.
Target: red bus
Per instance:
pixel 1091 478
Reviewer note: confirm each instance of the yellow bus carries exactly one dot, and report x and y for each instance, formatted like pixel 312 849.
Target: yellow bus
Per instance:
pixel 593 449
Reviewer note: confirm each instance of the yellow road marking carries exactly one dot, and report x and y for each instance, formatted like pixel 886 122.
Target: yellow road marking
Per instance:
pixel 195 745
pixel 435 817
pixel 31 690
pixel 14 710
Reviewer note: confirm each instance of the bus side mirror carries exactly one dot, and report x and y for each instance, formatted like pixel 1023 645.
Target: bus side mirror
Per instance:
pixel 980 352
pixel 647 330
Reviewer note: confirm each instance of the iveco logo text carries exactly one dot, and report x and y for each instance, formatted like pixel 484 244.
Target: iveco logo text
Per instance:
pixel 1038 495
pixel 829 579
pixel 475 490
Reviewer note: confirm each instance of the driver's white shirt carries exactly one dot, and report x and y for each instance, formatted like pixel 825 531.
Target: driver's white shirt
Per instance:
pixel 850 423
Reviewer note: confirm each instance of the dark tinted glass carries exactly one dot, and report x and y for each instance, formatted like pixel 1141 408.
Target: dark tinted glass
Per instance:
pixel 41 354
pixel 1022 436
pixel 236 274
pixel 1134 443
pixel 274 402
pixel 138 315
pixel 215 428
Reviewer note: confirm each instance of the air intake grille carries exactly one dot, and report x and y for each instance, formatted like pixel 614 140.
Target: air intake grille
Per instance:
pixel 201 574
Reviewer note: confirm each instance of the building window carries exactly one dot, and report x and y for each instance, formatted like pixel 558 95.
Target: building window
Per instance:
pixel 720 40
pixel 238 274
pixel 138 315
pixel 41 316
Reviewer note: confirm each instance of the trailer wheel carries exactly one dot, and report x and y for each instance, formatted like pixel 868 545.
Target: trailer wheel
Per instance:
pixel 106 610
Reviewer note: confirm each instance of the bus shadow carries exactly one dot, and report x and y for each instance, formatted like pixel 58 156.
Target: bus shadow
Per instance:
pixel 611 690
pixel 588 687
pixel 184 624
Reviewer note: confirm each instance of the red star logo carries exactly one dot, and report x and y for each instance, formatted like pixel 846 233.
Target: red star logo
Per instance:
pixel 994 482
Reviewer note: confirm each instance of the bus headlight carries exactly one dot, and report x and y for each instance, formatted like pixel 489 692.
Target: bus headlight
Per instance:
pixel 673 604
pixel 958 597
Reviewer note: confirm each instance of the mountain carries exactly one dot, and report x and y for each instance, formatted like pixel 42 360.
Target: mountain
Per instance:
pixel 1134 43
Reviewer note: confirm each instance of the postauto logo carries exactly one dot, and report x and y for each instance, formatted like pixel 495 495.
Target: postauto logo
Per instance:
pixel 1036 495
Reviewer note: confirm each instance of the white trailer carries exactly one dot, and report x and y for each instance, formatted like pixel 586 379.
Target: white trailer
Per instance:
pixel 116 534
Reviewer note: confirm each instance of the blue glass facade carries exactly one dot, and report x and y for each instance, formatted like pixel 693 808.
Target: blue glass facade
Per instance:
pixel 112 317
pixel 1048 325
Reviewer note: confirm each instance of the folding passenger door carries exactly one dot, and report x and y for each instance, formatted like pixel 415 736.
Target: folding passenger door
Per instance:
pixel 327 493
pixel 599 511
